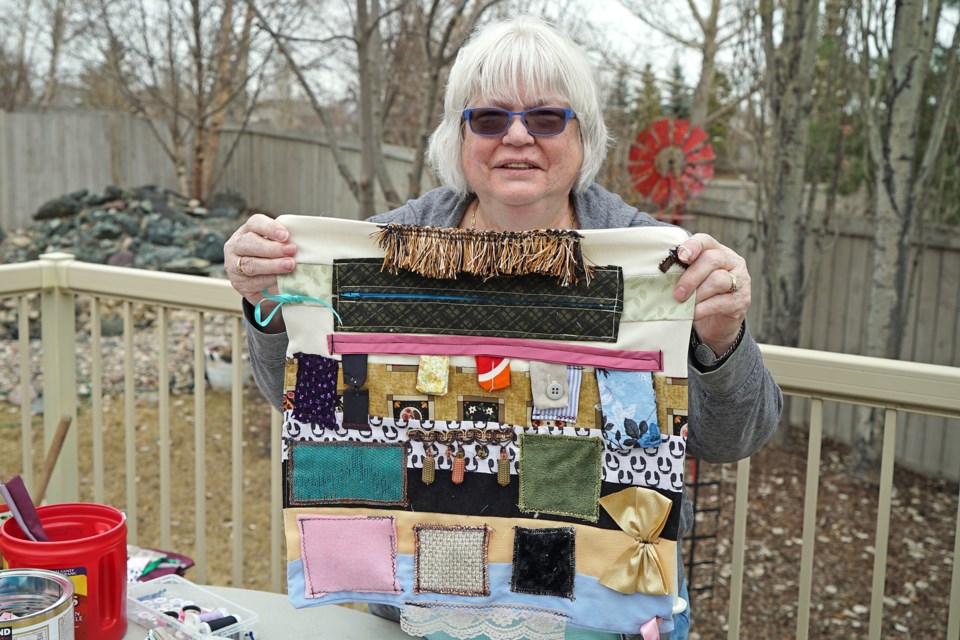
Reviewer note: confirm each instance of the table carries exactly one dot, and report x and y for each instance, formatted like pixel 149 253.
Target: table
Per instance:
pixel 278 620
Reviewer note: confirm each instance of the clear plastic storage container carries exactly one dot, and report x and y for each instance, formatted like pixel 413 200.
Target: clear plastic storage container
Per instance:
pixel 149 602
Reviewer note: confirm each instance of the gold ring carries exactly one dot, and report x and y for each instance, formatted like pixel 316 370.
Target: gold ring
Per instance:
pixel 241 273
pixel 734 283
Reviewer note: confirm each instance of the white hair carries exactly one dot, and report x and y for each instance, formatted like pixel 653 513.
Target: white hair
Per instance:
pixel 504 62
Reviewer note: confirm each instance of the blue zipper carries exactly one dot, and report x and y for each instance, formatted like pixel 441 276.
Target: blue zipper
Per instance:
pixel 422 297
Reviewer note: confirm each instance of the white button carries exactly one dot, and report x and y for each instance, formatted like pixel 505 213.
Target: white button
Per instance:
pixel 554 390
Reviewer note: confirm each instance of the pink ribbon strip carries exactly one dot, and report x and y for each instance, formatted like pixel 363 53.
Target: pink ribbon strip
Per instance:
pixel 651 629
pixel 567 353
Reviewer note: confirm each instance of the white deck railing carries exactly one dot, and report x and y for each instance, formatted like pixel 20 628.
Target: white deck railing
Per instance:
pixel 892 386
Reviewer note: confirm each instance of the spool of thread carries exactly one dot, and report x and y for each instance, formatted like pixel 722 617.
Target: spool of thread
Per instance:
pixel 191 619
pixel 214 614
pixel 217 624
pixel 192 607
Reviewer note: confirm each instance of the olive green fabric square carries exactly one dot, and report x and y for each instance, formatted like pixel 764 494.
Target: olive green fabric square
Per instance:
pixel 560 475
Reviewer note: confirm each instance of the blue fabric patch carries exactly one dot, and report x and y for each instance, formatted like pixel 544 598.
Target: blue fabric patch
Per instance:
pixel 596 606
pixel 322 473
pixel 629 407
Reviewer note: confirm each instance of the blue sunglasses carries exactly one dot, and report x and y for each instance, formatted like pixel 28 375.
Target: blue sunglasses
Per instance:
pixel 539 121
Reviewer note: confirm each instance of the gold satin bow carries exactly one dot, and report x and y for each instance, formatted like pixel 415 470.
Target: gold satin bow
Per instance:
pixel 642 513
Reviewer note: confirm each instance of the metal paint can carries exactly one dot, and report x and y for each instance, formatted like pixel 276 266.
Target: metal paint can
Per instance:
pixel 42 602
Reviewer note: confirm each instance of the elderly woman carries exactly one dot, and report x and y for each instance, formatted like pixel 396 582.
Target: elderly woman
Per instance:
pixel 521 141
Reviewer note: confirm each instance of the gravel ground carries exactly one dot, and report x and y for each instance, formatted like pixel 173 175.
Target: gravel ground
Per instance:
pixel 923 521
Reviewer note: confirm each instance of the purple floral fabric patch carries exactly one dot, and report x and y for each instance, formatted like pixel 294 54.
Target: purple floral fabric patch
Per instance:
pixel 316 395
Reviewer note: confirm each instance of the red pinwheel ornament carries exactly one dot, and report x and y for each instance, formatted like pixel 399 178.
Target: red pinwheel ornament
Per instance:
pixel 669 163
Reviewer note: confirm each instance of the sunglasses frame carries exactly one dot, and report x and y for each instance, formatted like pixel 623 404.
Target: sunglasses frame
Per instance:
pixel 568 114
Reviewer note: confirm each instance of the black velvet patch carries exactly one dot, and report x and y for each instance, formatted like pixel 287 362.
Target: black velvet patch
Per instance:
pixel 356 407
pixel 544 562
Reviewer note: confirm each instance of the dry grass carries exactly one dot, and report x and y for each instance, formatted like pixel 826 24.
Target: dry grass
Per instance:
pixel 219 529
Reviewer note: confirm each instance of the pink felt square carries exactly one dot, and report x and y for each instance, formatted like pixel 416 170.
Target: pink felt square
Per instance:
pixel 348 553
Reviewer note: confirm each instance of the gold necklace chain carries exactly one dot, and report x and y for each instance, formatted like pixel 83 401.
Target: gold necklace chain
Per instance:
pixel 476 206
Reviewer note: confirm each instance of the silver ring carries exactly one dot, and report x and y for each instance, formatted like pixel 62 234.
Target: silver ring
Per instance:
pixel 241 273
pixel 734 283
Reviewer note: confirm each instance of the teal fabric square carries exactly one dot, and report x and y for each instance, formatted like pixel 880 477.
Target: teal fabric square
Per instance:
pixel 322 473
pixel 560 475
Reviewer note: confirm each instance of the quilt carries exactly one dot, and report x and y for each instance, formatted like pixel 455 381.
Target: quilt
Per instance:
pixel 486 430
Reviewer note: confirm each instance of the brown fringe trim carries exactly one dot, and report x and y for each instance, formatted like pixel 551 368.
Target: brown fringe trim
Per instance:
pixel 443 253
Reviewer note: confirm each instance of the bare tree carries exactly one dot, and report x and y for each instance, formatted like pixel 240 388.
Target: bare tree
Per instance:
pixel 59 13
pixel 177 63
pixel 446 28
pixel 283 40
pixel 893 107
pixel 33 42
pixel 716 26
pixel 783 223
pixel 383 37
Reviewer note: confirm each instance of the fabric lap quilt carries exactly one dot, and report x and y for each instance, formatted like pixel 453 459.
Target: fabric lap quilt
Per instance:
pixel 485 430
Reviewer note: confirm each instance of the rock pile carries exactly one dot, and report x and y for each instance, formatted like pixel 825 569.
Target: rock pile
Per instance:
pixel 147 227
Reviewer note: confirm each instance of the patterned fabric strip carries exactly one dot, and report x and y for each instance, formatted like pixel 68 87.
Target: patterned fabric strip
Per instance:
pixel 408 344
pixel 569 413
pixel 629 406
pixel 650 297
pixel 660 468
pixel 433 375
pixel 529 306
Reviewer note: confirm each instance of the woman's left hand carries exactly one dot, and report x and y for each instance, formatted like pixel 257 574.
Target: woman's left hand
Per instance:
pixel 722 284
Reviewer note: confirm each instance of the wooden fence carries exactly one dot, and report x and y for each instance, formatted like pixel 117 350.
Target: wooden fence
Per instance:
pixel 43 155
pixel 47 154
pixel 835 314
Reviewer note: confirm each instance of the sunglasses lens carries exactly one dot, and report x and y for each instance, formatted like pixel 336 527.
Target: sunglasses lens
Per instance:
pixel 489 122
pixel 541 121
pixel 546 122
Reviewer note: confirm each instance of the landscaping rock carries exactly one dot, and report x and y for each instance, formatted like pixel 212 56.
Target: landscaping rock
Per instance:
pixel 58 208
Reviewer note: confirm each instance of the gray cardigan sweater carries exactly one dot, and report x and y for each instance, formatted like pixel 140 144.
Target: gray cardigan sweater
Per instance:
pixel 733 408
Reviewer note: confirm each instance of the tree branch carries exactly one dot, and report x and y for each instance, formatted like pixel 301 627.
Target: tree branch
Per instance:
pixel 342 167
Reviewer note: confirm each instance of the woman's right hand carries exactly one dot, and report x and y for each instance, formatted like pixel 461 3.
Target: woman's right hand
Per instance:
pixel 254 256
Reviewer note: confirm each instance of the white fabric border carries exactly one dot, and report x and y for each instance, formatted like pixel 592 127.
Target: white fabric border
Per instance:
pixel 637 250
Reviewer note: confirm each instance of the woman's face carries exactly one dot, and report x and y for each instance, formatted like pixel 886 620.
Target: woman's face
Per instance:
pixel 519 169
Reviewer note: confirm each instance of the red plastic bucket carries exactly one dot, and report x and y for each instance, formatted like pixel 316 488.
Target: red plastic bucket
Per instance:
pixel 88 544
pixel 4 514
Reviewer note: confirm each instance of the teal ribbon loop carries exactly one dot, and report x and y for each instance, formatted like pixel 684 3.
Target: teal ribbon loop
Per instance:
pixel 282 299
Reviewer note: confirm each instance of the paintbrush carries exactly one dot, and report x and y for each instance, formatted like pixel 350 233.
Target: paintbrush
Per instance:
pixel 17 497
